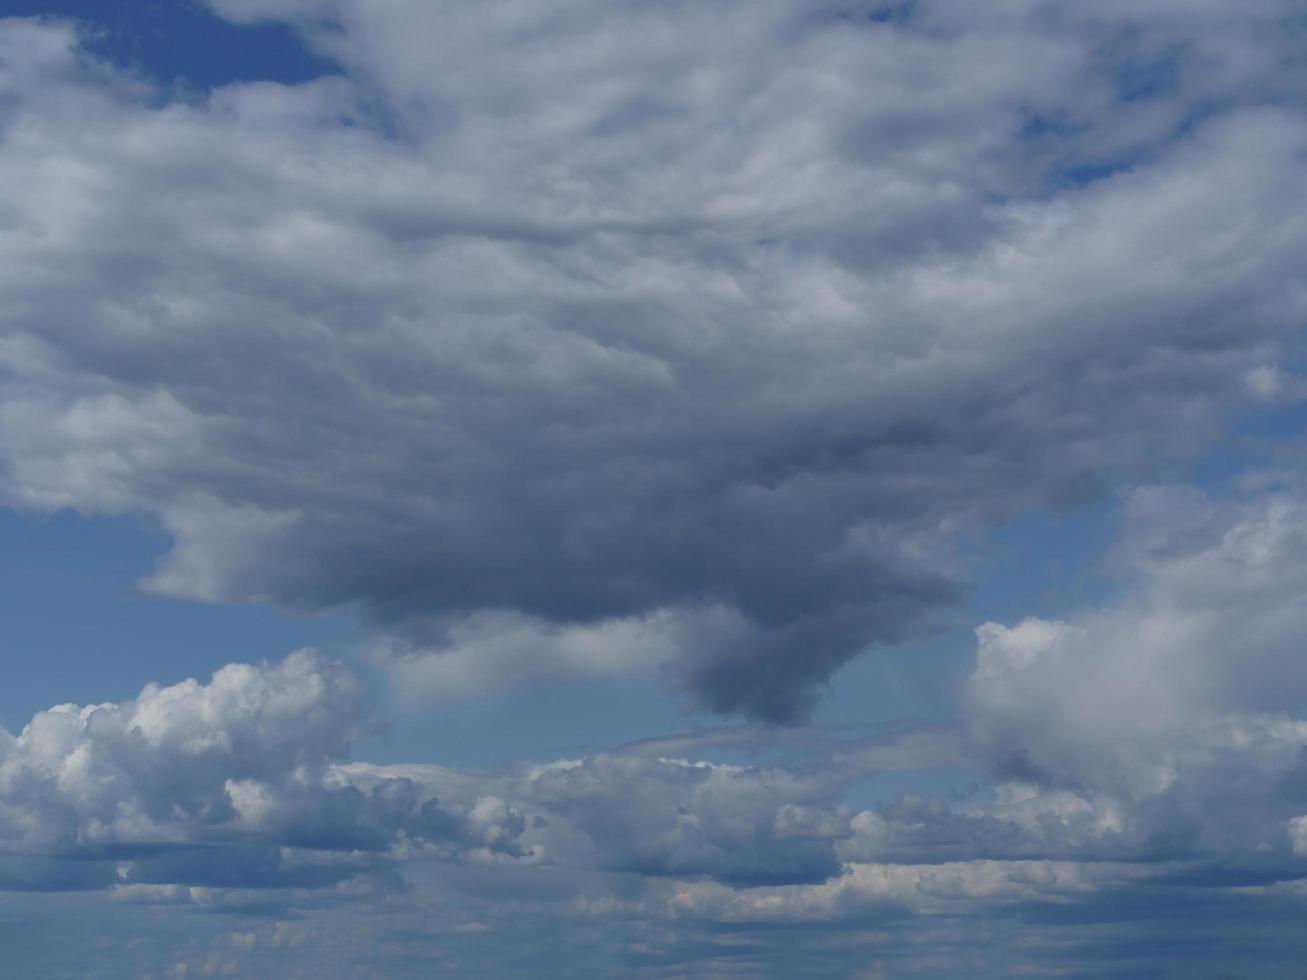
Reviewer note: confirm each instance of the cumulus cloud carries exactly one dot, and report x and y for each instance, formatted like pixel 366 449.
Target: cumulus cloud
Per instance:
pixel 231 784
pixel 591 335
pixel 1173 712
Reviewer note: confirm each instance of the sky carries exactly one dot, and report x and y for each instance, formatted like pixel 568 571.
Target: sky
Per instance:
pixel 732 488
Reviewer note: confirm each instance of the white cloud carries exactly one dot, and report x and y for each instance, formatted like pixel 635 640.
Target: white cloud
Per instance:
pixel 234 783
pixel 932 888
pixel 1169 713
pixel 1297 828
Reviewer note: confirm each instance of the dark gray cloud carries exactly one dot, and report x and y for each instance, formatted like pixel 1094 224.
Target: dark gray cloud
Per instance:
pixel 711 325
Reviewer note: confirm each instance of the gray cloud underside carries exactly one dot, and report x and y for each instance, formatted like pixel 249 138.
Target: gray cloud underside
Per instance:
pixel 598 336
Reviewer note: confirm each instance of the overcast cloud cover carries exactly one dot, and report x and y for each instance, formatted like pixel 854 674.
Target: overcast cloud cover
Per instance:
pixel 703 342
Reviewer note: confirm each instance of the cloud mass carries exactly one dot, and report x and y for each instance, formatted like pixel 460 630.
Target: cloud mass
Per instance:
pixel 576 320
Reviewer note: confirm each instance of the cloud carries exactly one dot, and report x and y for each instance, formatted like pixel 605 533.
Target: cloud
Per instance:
pixel 720 323
pixel 233 784
pixel 157 768
pixel 867 888
pixel 1172 712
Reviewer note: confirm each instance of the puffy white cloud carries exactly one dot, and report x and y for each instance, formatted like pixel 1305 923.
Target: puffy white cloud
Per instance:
pixel 158 768
pixel 230 784
pixel 1167 716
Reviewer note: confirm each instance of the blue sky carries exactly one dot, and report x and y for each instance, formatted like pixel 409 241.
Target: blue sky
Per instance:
pixel 625 489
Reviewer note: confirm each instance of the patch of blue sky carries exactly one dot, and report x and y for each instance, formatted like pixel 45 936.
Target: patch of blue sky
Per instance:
pixel 1259 443
pixel 548 719
pixel 893 12
pixel 78 630
pixel 182 46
